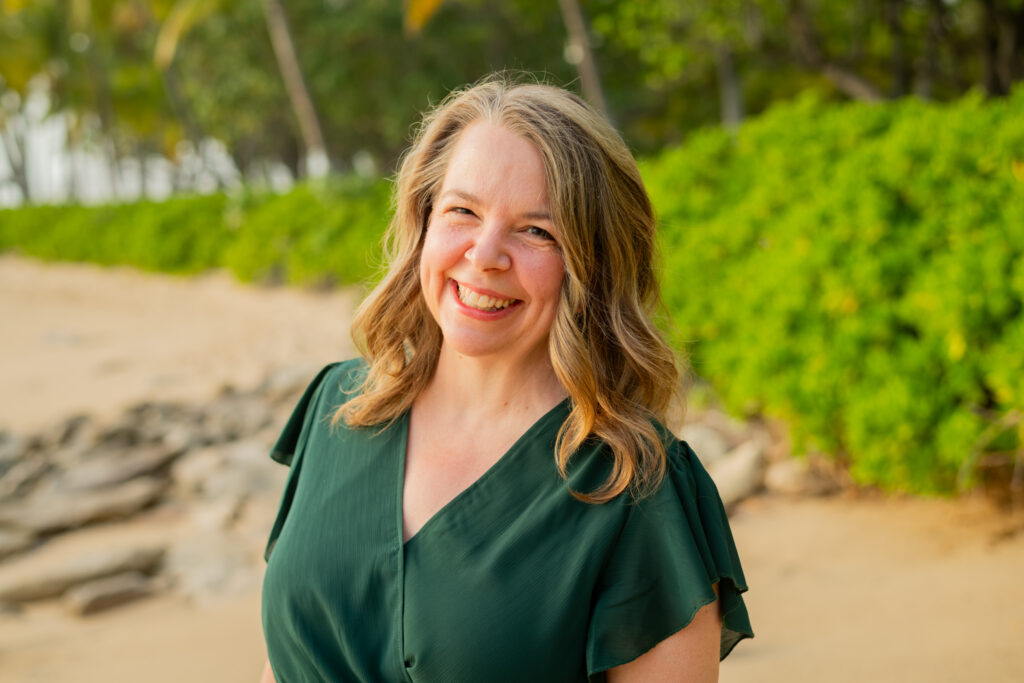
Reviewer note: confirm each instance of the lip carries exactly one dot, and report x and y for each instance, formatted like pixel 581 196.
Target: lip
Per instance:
pixel 476 312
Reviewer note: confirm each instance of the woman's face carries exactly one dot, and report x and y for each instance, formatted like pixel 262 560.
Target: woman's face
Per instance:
pixel 491 269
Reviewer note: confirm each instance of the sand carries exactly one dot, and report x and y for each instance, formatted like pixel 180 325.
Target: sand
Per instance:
pixel 78 338
pixel 850 588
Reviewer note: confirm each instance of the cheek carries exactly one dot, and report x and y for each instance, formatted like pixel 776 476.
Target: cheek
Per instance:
pixel 442 248
pixel 551 270
pixel 547 274
pixel 431 258
pixel 440 253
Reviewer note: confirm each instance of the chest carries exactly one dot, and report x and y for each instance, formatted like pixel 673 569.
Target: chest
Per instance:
pixel 441 461
pixel 497 586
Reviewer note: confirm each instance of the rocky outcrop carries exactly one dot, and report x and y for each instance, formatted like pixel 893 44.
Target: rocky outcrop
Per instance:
pixel 51 510
pixel 49 572
pixel 191 494
pixel 194 469
pixel 739 473
pixel 802 477
pixel 102 594
pixel 13 542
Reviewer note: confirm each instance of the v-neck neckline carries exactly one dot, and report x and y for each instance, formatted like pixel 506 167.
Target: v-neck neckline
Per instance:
pixel 454 501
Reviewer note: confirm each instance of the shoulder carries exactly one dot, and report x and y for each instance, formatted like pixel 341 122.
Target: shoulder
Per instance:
pixel 346 375
pixel 328 390
pixel 335 383
pixel 683 472
pixel 685 491
pixel 673 554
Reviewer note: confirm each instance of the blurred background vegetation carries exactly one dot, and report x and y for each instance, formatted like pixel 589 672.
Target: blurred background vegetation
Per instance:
pixel 840 183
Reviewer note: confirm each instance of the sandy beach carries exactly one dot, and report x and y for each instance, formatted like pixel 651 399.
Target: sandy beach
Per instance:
pixel 856 587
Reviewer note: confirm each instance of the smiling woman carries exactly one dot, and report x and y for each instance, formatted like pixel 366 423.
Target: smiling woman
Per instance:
pixel 489 493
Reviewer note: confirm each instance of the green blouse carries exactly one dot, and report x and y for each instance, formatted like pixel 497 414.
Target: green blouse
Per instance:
pixel 512 580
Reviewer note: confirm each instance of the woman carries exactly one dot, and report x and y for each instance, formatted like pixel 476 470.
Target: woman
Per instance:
pixel 490 494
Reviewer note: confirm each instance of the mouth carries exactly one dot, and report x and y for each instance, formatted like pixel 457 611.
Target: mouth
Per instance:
pixel 482 302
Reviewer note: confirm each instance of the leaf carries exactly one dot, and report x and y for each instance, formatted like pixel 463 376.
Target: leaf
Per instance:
pixel 183 16
pixel 9 7
pixel 418 13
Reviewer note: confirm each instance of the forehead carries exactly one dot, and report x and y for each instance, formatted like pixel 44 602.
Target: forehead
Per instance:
pixel 494 164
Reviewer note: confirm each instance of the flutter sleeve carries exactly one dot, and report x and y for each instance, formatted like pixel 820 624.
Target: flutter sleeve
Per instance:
pixel 674 546
pixel 289 446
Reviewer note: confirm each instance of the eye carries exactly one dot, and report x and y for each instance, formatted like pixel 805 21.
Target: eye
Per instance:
pixel 461 210
pixel 541 233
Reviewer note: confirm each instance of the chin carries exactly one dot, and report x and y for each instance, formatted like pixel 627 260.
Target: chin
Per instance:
pixel 474 348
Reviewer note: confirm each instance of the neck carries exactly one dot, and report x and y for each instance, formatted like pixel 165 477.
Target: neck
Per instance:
pixel 483 386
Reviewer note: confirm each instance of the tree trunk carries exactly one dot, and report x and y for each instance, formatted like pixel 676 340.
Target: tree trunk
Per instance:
pixel 182 112
pixel 70 147
pixel 934 39
pixel 812 56
pixel 902 75
pixel 98 69
pixel 992 78
pixel 141 156
pixel 13 141
pixel 582 55
pixel 317 162
pixel 1013 45
pixel 730 93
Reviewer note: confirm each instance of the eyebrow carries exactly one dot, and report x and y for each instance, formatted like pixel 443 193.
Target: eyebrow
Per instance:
pixel 470 197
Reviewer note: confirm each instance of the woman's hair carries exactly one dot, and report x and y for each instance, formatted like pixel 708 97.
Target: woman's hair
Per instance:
pixel 604 347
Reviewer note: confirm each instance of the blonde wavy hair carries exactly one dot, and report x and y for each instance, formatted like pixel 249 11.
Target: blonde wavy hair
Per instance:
pixel 619 372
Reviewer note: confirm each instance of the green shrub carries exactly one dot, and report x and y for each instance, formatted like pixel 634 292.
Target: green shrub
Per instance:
pixel 857 271
pixel 312 235
pixel 328 233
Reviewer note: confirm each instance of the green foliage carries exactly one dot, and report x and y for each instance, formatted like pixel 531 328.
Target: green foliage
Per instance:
pixel 311 235
pixel 368 79
pixel 857 271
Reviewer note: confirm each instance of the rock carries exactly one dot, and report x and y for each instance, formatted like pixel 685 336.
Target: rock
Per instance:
pixel 234 417
pixel 52 511
pixel 739 473
pixel 216 514
pixel 150 413
pixel 46 574
pixel 11 609
pixel 734 431
pixel 191 471
pixel 248 470
pixel 115 467
pixel 12 542
pixel 231 471
pixel 707 442
pixel 799 477
pixel 19 479
pixel 156 420
pixel 121 435
pixel 180 438
pixel 12 449
pixel 212 565
pixel 75 429
pixel 286 384
pixel 102 594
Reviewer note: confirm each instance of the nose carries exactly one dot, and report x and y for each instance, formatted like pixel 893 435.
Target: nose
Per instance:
pixel 489 250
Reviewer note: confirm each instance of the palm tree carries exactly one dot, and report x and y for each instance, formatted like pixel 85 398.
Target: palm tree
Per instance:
pixel 317 162
pixel 187 13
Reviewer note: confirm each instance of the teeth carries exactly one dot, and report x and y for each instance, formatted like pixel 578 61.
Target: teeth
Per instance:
pixel 481 301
